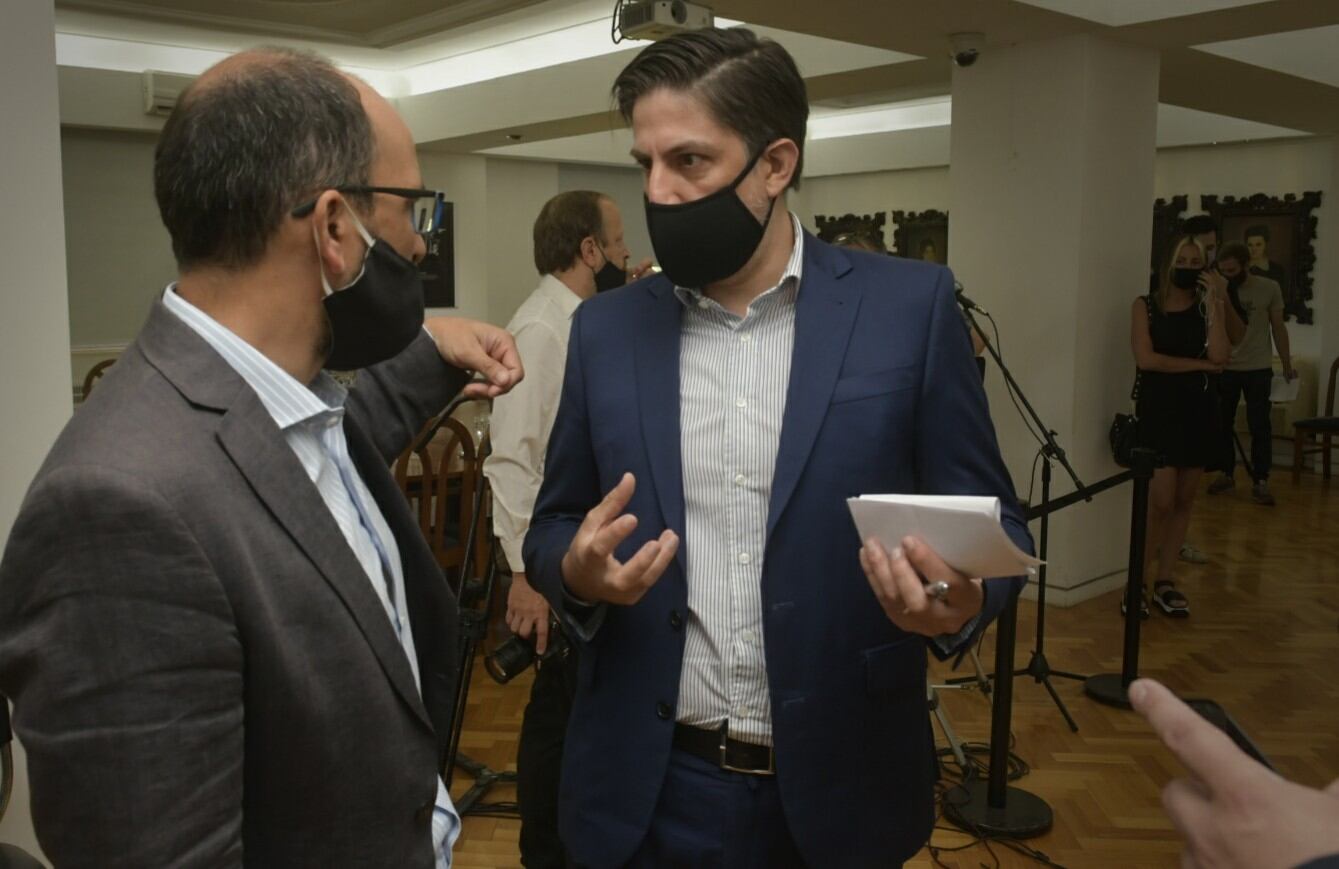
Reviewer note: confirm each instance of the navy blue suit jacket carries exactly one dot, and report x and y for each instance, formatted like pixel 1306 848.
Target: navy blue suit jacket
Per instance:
pixel 884 396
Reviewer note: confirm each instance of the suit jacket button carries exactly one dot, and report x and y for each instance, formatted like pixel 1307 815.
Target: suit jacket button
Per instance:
pixel 676 620
pixel 663 711
pixel 423 817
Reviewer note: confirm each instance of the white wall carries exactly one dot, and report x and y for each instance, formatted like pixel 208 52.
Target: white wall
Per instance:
pixel 34 318
pixel 118 254
pixel 517 190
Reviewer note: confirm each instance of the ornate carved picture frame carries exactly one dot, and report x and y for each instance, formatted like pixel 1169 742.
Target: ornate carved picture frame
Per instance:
pixel 1279 234
pixel 921 235
pixel 862 230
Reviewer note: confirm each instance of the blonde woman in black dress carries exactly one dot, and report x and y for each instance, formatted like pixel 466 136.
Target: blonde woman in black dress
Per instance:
pixel 1179 337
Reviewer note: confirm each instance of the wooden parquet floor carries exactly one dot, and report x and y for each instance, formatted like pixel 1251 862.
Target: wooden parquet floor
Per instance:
pixel 1263 642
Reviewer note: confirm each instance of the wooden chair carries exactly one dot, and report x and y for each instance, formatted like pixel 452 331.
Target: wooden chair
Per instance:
pixel 94 375
pixel 1323 427
pixel 438 474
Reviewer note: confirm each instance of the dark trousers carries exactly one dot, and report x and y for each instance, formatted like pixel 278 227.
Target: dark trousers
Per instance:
pixel 539 760
pixel 1254 385
pixel 708 818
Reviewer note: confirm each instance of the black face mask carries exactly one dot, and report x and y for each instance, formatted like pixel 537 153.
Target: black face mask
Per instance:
pixel 610 276
pixel 709 239
pixel 379 313
pixel 1186 279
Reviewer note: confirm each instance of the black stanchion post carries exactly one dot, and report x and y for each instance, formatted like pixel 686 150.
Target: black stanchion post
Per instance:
pixel 1110 688
pixel 992 807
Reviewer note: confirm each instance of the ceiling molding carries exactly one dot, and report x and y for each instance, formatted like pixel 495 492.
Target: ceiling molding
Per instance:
pixel 1251 93
pixel 207 21
pixel 447 18
pixel 1239 22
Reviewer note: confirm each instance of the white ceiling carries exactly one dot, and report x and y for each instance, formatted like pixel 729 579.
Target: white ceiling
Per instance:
pixel 882 147
pixel 1118 13
pixel 1311 54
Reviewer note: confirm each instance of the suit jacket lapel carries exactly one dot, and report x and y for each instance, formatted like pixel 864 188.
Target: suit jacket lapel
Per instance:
pixel 825 312
pixel 657 366
pixel 249 436
pixel 254 444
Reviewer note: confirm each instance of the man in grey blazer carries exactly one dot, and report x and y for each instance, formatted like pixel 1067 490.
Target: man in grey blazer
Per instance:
pixel 225 639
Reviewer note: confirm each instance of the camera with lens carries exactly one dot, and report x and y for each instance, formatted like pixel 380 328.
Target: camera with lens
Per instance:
pixel 512 657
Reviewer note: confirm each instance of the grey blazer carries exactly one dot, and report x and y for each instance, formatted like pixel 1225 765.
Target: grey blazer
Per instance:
pixel 202 674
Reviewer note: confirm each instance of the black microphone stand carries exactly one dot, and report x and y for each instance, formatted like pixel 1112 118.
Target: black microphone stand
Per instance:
pixel 1038 667
pixel 992 807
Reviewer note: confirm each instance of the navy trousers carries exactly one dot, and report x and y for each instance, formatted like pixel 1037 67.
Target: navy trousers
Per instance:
pixel 708 818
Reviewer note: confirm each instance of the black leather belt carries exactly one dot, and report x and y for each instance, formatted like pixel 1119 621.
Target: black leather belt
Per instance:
pixel 715 747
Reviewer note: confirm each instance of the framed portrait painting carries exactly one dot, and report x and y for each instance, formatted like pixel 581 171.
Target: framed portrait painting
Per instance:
pixel 1278 234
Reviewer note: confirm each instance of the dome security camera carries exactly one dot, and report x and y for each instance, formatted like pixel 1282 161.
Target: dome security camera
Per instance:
pixel 965 48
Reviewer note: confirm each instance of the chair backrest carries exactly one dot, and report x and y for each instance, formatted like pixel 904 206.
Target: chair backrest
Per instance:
pixel 455 477
pixel 1329 390
pixel 94 375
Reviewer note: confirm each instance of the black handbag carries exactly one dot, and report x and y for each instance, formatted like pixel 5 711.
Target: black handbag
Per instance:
pixel 1124 434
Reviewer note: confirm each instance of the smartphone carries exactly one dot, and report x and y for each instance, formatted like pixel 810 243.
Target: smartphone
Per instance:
pixel 1218 717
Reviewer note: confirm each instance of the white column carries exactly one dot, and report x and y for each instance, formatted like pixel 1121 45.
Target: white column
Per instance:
pixel 1051 174
pixel 35 387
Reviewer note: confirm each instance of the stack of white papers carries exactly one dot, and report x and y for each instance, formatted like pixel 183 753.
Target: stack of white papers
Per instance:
pixel 965 530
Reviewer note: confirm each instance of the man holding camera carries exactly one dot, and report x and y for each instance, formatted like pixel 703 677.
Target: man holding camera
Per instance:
pixel 579 251
pixel 756 696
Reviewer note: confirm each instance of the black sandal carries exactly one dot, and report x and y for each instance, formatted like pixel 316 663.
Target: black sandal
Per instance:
pixel 1171 601
pixel 1143 603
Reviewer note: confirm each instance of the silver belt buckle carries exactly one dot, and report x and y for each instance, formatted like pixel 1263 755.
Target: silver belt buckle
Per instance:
pixel 771 760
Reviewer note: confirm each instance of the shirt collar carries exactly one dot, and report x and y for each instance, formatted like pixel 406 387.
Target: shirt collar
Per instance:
pixel 560 294
pixel 288 402
pixel 693 298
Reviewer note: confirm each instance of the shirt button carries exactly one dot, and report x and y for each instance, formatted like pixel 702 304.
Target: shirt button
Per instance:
pixel 675 620
pixel 744 558
pixel 663 711
pixel 742 711
pixel 703 303
pixel 741 402
pixel 744 339
pixel 746 635
pixel 740 479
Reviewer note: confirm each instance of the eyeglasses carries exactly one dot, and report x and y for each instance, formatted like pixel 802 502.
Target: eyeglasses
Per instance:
pixel 428 219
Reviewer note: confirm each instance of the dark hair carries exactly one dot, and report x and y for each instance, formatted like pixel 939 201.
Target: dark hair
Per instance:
pixel 1199 225
pixel 563 223
pixel 1259 230
pixel 246 146
pixel 750 85
pixel 1235 250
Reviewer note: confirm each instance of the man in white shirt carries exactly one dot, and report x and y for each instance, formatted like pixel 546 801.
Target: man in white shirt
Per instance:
pixel 579 251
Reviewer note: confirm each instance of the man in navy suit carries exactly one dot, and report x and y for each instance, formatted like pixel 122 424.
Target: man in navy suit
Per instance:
pixel 751 690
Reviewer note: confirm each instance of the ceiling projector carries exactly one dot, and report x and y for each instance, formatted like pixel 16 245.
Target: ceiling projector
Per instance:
pixel 657 19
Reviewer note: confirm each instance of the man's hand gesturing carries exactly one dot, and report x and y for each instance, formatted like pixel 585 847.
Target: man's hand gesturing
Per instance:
pixel 590 570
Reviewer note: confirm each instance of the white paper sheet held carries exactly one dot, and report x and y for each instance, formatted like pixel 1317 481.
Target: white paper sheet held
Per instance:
pixel 965 530
pixel 1282 390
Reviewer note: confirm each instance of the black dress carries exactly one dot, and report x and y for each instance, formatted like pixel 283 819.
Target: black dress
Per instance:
pixel 1178 413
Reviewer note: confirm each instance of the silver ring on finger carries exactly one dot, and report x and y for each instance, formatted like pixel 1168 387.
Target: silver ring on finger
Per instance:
pixel 938 591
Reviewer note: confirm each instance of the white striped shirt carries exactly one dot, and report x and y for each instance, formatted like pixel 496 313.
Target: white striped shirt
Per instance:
pixel 733 376
pixel 311 420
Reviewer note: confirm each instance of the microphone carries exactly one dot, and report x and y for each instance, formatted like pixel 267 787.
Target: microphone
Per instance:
pixel 966 302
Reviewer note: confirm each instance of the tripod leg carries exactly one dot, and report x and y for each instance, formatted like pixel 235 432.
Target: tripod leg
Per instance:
pixel 1059 704
pixel 949 736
